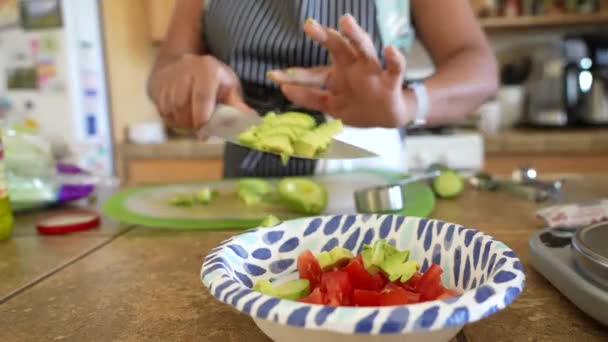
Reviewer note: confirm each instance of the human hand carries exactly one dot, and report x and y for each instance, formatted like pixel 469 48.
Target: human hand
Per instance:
pixel 186 92
pixel 355 87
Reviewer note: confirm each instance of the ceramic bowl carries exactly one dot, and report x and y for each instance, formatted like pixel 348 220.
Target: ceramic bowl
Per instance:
pixel 486 271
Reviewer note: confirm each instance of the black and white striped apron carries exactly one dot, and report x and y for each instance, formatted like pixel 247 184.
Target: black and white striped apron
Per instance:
pixel 256 36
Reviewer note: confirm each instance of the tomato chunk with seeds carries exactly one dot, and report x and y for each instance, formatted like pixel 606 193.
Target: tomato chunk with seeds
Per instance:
pixel 308 268
pixel 337 287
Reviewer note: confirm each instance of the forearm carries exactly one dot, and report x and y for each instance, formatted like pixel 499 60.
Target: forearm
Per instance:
pixel 459 86
pixel 184 36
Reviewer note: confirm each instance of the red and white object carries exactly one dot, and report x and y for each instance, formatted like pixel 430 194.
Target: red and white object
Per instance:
pixel 575 214
pixel 68 222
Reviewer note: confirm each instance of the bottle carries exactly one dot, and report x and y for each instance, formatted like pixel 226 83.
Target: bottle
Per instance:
pixel 6 213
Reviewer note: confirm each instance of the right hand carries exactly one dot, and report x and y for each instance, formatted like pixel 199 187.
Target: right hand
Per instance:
pixel 186 92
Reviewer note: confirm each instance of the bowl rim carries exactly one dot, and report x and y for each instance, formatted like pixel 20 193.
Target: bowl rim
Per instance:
pixel 502 295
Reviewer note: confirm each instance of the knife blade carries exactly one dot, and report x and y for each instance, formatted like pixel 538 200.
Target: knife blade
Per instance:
pixel 228 122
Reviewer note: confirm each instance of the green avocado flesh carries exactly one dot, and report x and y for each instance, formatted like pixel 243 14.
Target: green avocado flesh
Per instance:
pixel 290 134
pixel 270 221
pixel 253 190
pixel 302 195
pixel 448 184
pixel 337 257
pixel 291 290
pixel 388 259
pixel 203 196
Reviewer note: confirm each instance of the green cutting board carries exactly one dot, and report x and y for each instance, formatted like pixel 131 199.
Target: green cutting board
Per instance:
pixel 149 206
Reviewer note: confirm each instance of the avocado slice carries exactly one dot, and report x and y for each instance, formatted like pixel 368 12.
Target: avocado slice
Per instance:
pixel 256 186
pixel 278 143
pixel 337 257
pixel 302 120
pixel 249 197
pixel 391 261
pixel 392 265
pixel 270 221
pixel 293 132
pixel 407 270
pixel 291 290
pixel 249 137
pixel 310 143
pixel 302 195
pixel 330 128
pixel 182 200
pixel 448 184
pixel 206 195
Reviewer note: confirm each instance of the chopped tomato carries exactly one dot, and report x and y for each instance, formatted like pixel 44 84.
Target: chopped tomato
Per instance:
pixel 315 297
pixel 308 268
pixel 337 287
pixel 396 295
pixel 448 293
pixel 361 278
pixel 412 283
pixel 429 285
pixel 366 298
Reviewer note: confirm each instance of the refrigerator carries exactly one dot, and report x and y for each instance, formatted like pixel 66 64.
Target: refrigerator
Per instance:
pixel 52 71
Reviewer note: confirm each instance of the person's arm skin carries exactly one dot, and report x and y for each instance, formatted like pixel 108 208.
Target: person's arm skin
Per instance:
pixel 183 35
pixel 185 84
pixel 357 90
pixel 466 73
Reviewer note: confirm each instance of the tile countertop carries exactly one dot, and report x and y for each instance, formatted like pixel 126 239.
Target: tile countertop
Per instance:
pixel 517 141
pixel 143 284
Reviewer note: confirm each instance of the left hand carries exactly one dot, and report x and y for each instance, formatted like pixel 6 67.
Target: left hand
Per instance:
pixel 355 87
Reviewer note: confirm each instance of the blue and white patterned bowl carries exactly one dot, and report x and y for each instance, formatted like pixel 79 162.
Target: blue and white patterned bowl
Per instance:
pixel 487 271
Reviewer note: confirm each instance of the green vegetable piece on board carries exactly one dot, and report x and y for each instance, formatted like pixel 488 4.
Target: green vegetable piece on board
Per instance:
pixel 302 195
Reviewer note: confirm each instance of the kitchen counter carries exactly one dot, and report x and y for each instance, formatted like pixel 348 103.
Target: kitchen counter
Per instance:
pixel 546 141
pixel 550 151
pixel 143 284
pixel 536 141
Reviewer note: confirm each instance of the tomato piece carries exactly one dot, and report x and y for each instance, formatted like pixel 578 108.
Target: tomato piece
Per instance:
pixel 337 287
pixel 308 268
pixel 412 283
pixel 448 293
pixel 361 278
pixel 396 295
pixel 366 298
pixel 429 285
pixel 315 297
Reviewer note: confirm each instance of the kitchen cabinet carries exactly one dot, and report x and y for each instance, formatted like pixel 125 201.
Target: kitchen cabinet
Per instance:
pixel 159 15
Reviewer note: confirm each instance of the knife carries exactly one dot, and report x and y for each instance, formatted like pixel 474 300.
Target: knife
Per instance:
pixel 228 122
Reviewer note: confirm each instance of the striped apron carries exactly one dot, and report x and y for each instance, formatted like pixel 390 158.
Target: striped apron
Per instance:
pixel 256 36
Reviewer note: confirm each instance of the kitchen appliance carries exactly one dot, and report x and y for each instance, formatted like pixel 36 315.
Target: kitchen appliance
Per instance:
pixel 591 252
pixel 228 122
pixel 551 254
pixel 586 80
pixel 545 89
pixel 52 73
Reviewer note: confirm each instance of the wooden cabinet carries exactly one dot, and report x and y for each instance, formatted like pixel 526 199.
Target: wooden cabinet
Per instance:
pixel 152 171
pixel 159 16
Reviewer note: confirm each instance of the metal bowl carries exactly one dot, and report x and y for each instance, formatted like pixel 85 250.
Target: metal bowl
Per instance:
pixel 590 250
pixel 387 198
pixel 381 199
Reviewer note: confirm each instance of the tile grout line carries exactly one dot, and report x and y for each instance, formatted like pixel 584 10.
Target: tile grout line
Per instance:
pixel 58 268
